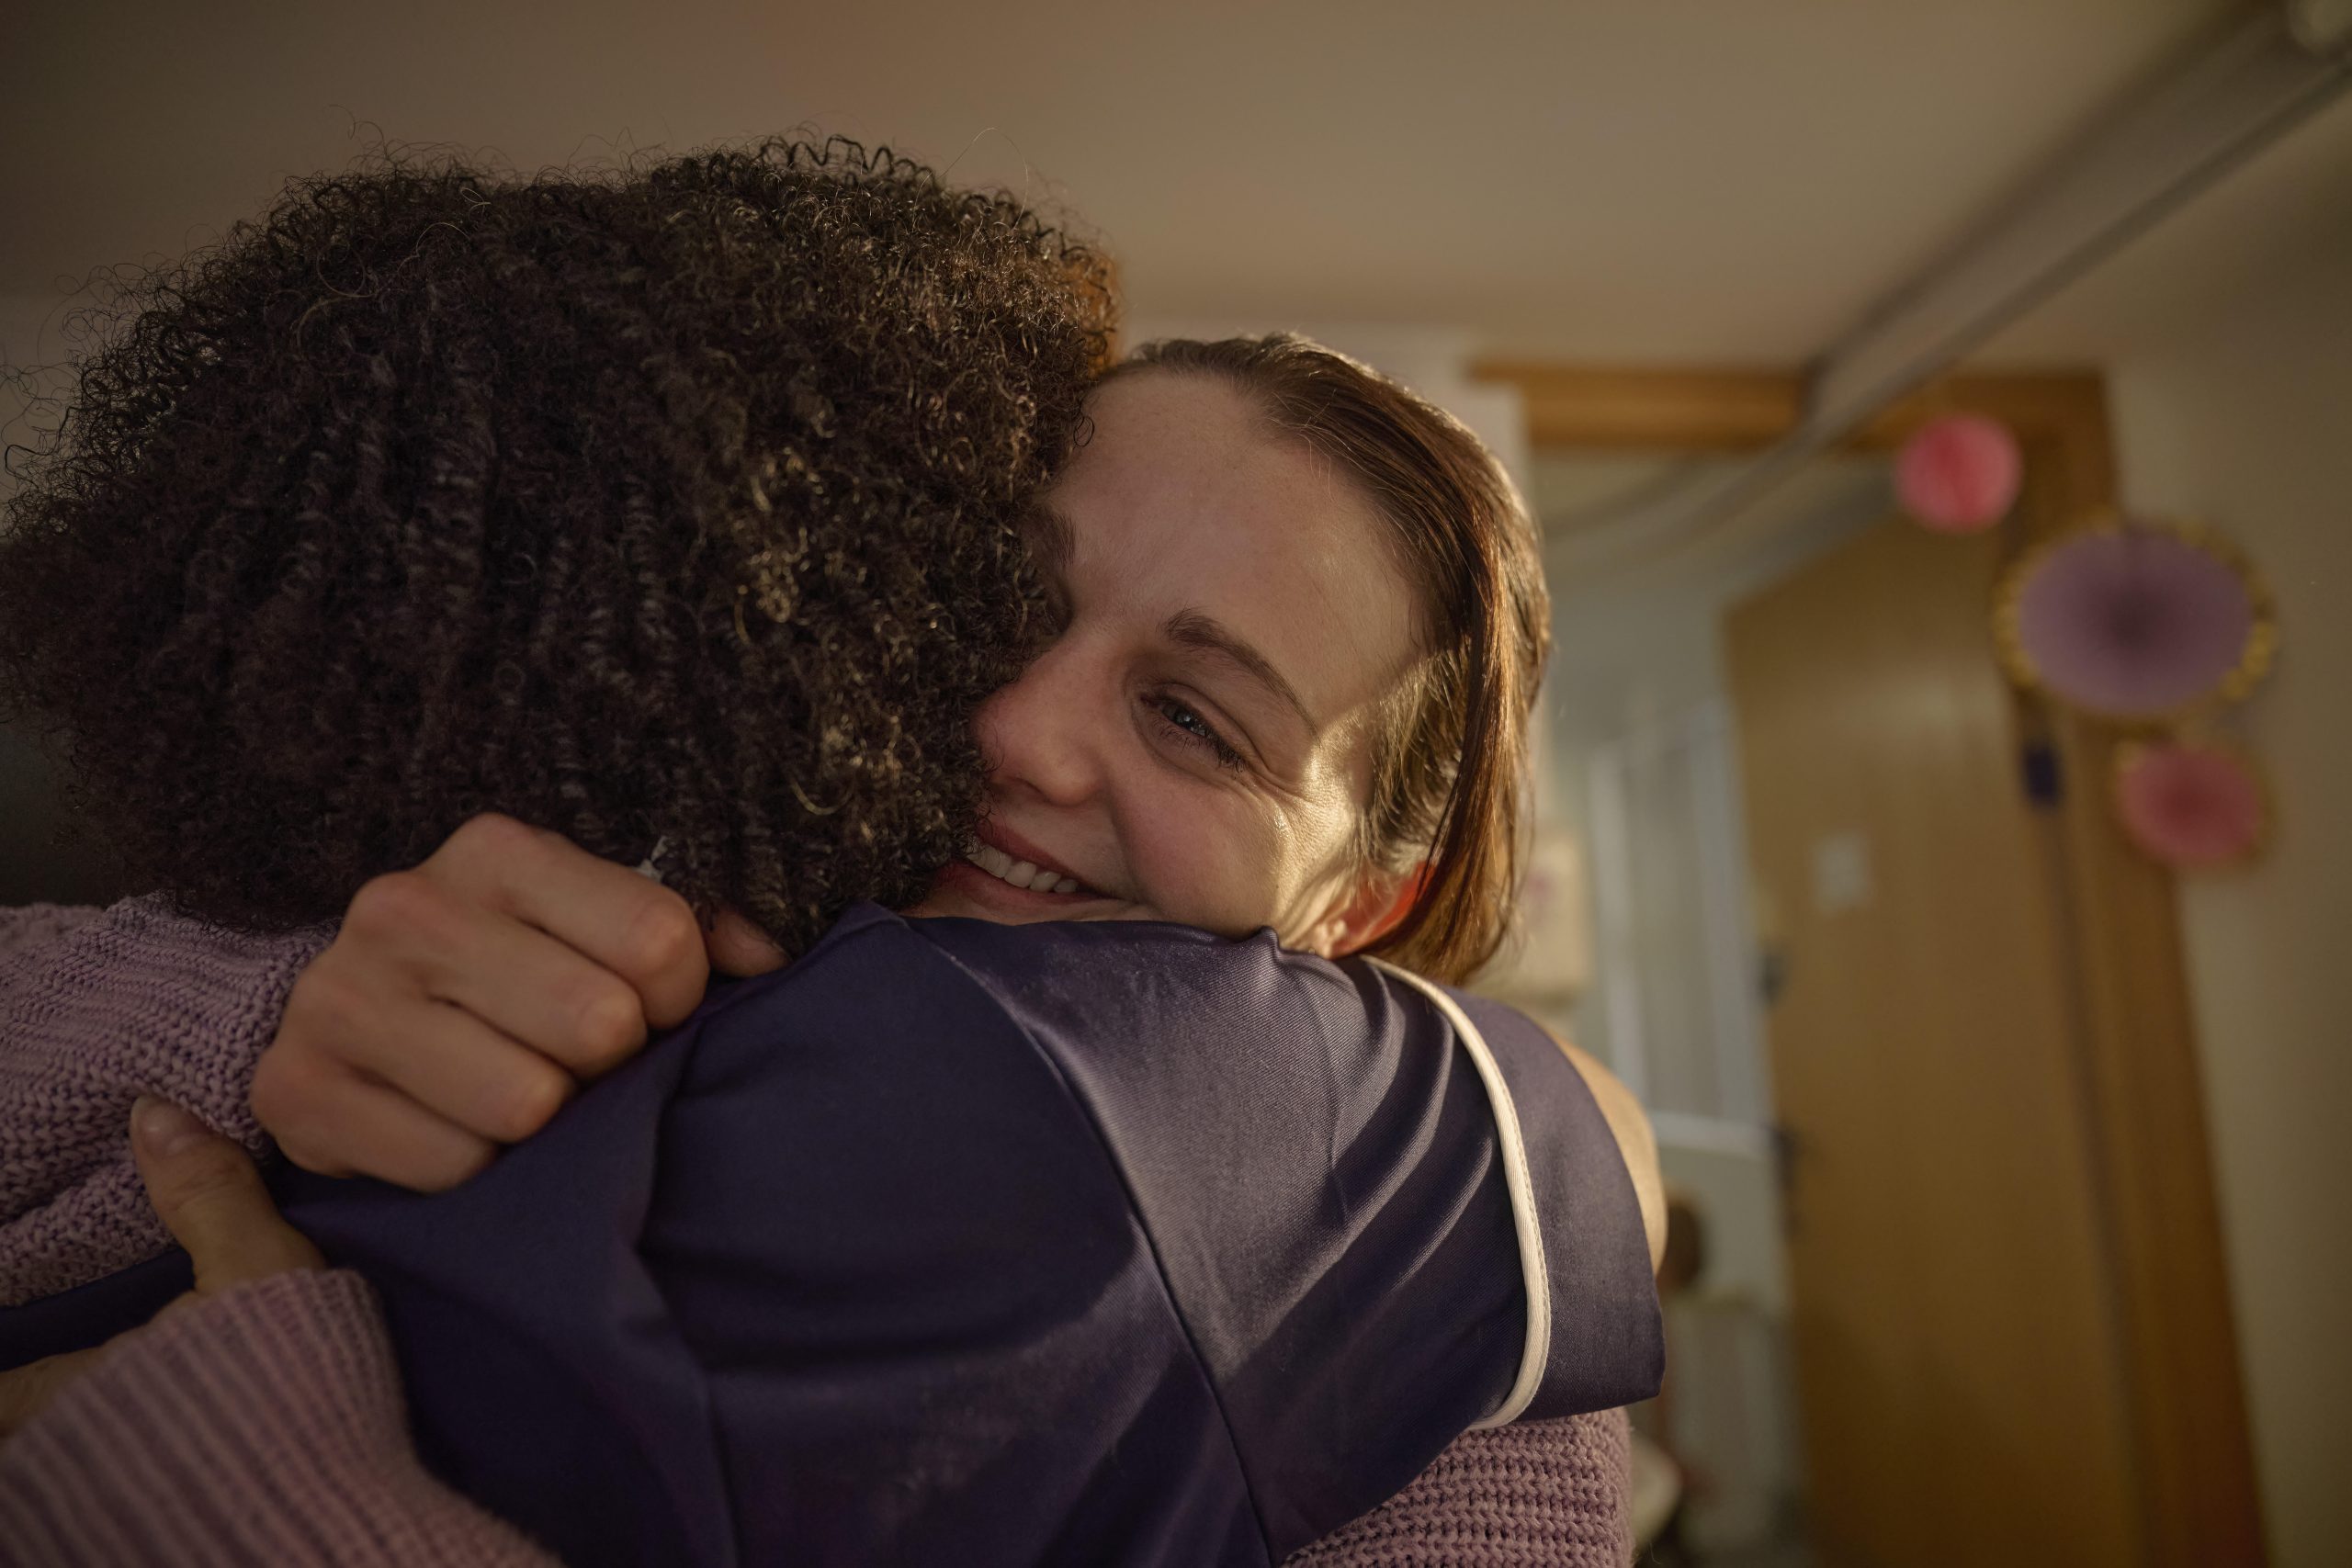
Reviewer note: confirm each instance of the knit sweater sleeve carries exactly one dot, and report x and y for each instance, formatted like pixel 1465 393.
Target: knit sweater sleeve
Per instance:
pixel 28 927
pixel 265 1425
pixel 1550 1492
pixel 262 1425
pixel 97 1008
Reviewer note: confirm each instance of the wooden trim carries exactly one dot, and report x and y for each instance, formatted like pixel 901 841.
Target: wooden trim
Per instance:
pixel 2058 415
pixel 2154 1180
pixel 2196 1469
pixel 1694 410
pixel 1742 411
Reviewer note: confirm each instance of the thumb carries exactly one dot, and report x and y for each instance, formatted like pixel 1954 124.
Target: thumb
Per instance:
pixel 210 1198
pixel 738 948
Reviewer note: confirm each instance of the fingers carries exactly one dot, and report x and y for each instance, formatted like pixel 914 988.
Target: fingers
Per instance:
pixel 465 1071
pixel 737 947
pixel 209 1196
pixel 211 1199
pixel 624 922
pixel 461 1001
pixel 328 1118
pixel 410 938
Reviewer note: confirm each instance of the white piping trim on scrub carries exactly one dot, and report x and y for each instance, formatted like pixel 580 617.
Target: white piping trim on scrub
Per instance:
pixel 1533 1272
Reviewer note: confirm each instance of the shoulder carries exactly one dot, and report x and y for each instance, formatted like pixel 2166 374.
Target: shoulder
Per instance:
pixel 1636 1141
pixel 1539 1055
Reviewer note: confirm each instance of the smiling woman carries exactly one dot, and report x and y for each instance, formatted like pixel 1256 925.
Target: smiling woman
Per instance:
pixel 1102 1239
pixel 1194 745
pixel 1302 622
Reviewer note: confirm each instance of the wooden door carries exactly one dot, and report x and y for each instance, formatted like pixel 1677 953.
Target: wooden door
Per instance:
pixel 1955 1310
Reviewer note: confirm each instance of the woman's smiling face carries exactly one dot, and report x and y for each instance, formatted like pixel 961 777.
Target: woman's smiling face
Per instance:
pixel 1195 744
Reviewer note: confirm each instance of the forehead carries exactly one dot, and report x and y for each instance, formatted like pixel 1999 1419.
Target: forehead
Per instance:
pixel 1186 500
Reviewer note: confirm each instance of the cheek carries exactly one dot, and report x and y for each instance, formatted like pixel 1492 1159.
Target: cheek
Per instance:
pixel 1200 857
pixel 1228 863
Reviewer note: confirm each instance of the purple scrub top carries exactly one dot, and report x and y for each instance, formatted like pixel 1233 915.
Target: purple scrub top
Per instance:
pixel 959 1243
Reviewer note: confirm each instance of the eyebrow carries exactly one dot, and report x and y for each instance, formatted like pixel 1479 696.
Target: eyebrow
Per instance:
pixel 1051 541
pixel 1191 628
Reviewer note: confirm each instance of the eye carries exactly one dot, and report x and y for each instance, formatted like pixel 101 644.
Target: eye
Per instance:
pixel 1183 722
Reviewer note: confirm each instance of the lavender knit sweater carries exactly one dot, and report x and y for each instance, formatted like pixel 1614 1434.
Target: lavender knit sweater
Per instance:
pixel 265 1424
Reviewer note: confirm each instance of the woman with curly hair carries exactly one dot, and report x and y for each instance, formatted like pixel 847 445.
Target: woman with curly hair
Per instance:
pixel 683 513
pixel 679 503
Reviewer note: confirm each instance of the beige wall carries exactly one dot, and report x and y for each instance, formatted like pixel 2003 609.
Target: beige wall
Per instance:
pixel 2241 414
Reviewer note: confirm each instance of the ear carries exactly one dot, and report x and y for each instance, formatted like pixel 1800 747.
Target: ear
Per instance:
pixel 1377 906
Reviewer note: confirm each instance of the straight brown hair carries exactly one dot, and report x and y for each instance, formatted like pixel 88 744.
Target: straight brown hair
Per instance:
pixel 1451 765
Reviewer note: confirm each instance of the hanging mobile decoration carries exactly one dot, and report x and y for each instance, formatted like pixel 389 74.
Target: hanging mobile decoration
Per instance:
pixel 2136 620
pixel 1959 473
pixel 2194 806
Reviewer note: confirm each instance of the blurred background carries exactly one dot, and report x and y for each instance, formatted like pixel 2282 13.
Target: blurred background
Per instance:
pixel 2000 1074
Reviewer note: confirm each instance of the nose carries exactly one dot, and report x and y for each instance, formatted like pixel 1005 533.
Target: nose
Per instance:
pixel 1042 735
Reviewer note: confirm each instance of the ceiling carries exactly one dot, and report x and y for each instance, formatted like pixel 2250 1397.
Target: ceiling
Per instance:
pixel 1607 180
pixel 2292 197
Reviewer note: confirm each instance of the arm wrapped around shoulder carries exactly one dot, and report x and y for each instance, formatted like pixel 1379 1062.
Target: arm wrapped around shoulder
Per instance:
pixel 261 1424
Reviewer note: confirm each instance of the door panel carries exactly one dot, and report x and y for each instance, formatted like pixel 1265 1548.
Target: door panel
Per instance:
pixel 1953 1299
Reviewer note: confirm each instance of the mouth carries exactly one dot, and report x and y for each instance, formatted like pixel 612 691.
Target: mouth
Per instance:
pixel 1015 863
pixel 1022 874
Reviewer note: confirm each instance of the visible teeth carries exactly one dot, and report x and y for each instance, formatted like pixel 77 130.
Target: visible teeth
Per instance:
pixel 1019 873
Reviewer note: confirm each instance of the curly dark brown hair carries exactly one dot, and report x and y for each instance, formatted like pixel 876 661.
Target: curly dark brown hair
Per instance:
pixel 677 502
